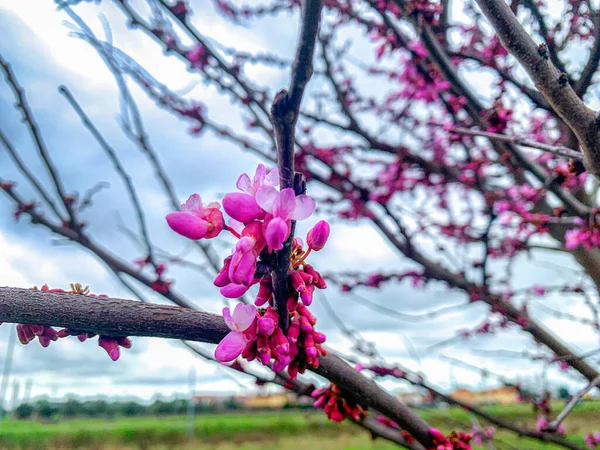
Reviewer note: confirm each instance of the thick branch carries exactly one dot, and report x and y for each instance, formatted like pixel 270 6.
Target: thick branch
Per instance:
pixel 109 316
pixel 117 317
pixel 550 82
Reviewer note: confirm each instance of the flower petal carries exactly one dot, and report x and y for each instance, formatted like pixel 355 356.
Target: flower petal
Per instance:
pixel 272 178
pixel 242 207
pixel 259 175
pixel 242 268
pixel 229 321
pixel 276 233
pixel 233 290
pixel 285 204
pixel 243 183
pixel 230 347
pixel 305 206
pixel 236 225
pixel 244 315
pixel 265 197
pixel 188 225
pixel 193 205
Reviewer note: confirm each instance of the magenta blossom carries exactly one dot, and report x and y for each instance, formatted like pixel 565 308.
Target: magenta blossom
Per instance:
pixel 317 236
pixel 592 440
pixel 247 249
pixel 112 344
pixel 195 220
pixel 261 178
pixel 243 207
pixel 283 207
pixel 242 331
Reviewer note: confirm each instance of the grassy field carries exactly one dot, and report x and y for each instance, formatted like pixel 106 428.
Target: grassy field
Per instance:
pixel 258 431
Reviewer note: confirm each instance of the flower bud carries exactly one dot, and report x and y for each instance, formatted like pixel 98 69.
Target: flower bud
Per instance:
pixel 222 278
pixel 317 236
pixel 266 326
pixel 265 292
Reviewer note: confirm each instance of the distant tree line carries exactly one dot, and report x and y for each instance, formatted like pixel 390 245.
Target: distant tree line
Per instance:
pixel 71 408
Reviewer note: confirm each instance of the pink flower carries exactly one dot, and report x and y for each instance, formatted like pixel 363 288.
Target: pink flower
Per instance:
pixel 240 323
pixel 538 290
pixel 541 423
pixel 233 290
pixel 198 57
pixel 261 178
pixel 317 236
pixel 243 207
pixel 195 220
pixel 592 439
pixel 112 344
pixel 243 262
pixel 284 207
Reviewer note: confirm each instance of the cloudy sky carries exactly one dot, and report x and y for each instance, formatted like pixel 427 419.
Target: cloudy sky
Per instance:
pixel 35 40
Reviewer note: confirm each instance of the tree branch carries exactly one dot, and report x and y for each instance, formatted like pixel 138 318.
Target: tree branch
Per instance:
pixel 559 150
pixel 40 144
pixel 109 316
pixel 550 82
pixel 553 426
pixel 118 317
pixel 284 115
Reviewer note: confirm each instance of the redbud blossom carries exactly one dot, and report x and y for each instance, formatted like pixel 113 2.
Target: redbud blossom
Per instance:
pixel 283 207
pixel 335 405
pixel 317 236
pixel 592 440
pixel 111 345
pixel 244 207
pixel 232 345
pixel 195 220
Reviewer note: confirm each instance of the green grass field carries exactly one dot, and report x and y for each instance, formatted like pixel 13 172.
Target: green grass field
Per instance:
pixel 258 431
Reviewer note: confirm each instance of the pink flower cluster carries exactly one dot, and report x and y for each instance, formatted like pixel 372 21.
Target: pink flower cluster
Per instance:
pixel 592 440
pixel 542 423
pixel 336 406
pixel 482 436
pixel 387 422
pixel 586 236
pixel 261 219
pixel 255 334
pixel 457 440
pixel 28 332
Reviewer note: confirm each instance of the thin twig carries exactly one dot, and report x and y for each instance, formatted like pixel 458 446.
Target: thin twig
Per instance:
pixel 560 150
pixel 112 154
pixel 40 144
pixel 553 426
pixel 28 175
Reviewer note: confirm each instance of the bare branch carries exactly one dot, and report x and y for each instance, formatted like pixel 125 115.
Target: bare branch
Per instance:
pixel 40 144
pixel 553 426
pixel 109 316
pixel 28 175
pixel 112 154
pixel 559 150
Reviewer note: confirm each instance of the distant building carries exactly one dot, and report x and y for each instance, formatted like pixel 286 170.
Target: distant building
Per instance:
pixel 274 401
pixel 503 395
pixel 411 398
